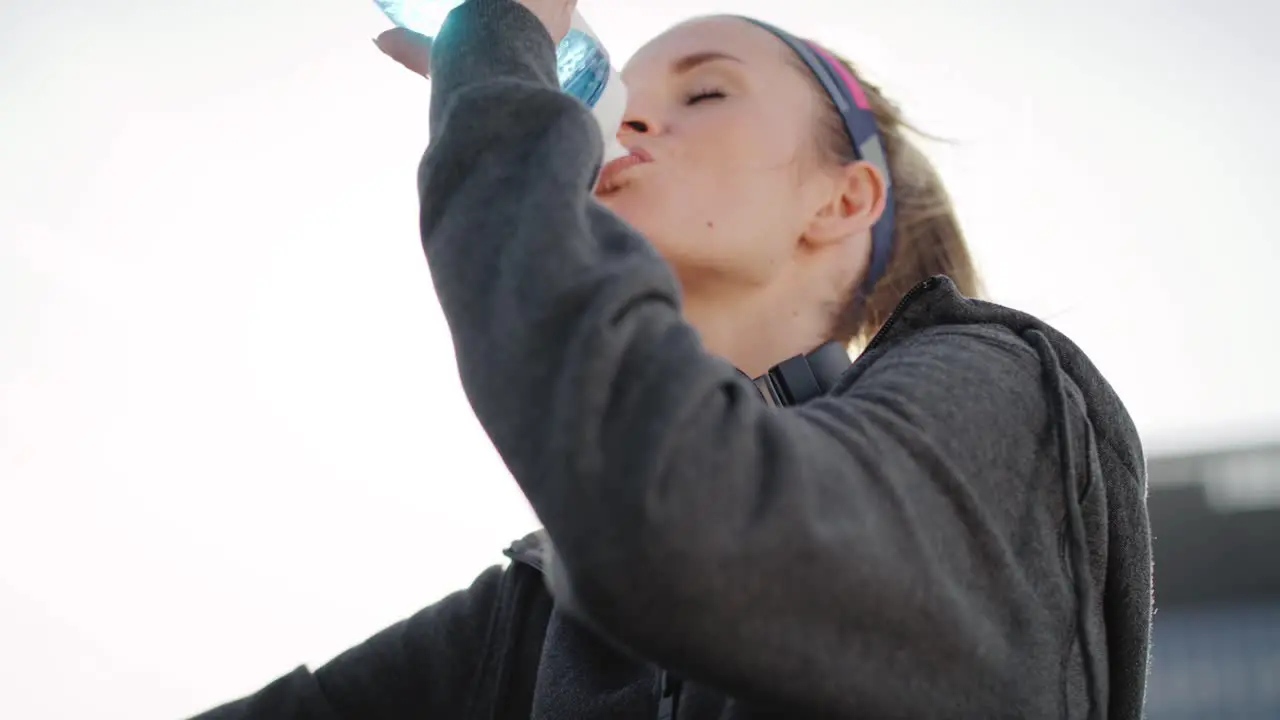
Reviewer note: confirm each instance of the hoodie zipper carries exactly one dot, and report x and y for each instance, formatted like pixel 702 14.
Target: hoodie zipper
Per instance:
pixel 906 300
pixel 668 696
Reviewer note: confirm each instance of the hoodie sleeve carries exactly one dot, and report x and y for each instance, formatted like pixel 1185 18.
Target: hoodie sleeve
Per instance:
pixel 853 554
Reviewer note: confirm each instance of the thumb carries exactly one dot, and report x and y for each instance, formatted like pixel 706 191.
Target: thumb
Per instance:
pixel 408 48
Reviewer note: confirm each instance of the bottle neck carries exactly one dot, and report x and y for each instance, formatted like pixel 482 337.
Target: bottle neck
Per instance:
pixel 611 105
pixel 609 112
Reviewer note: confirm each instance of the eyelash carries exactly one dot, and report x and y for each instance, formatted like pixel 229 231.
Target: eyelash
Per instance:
pixel 704 95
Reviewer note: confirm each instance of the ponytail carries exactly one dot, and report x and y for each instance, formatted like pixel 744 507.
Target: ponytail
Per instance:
pixel 927 239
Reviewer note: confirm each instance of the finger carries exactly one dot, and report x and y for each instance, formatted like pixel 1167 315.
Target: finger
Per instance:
pixel 408 48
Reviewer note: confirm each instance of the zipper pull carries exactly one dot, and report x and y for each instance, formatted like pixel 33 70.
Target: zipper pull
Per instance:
pixel 668 697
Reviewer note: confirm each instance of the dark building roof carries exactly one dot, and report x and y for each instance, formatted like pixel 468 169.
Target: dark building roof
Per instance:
pixel 1215 518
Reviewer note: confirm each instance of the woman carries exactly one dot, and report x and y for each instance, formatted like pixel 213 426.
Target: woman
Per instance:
pixel 956 528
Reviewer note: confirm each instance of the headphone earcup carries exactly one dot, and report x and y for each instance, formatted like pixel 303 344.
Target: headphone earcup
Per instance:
pixel 797 380
pixel 804 377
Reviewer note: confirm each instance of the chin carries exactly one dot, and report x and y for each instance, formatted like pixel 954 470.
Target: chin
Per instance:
pixel 651 216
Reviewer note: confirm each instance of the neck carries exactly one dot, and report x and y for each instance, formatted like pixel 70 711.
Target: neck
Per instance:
pixel 756 330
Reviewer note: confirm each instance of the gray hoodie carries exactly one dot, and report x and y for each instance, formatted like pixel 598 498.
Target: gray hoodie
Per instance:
pixel 958 529
pixel 921 543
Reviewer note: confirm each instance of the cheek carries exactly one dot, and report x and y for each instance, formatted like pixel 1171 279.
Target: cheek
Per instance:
pixel 720 199
pixel 727 158
pixel 735 140
pixel 701 219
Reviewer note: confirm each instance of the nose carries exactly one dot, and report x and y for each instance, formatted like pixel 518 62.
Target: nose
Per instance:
pixel 633 130
pixel 639 119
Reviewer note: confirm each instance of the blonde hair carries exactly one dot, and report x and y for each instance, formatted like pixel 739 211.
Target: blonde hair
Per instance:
pixel 927 239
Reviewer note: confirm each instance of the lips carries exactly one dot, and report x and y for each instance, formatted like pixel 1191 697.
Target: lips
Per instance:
pixel 610 179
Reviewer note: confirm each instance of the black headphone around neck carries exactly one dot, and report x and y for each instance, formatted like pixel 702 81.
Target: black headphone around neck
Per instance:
pixel 804 377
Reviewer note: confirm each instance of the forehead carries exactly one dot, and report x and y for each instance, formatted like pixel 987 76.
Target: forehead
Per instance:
pixel 755 46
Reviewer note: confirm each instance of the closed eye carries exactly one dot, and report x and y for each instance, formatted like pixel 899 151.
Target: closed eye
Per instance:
pixel 704 96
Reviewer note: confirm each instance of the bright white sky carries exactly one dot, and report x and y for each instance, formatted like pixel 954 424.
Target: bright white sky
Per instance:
pixel 231 435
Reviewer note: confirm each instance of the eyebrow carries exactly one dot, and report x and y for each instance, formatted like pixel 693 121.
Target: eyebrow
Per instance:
pixel 689 62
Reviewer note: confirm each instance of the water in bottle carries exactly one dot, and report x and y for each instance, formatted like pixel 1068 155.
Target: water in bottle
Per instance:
pixel 582 64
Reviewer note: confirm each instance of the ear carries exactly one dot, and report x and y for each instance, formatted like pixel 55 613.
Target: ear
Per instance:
pixel 856 202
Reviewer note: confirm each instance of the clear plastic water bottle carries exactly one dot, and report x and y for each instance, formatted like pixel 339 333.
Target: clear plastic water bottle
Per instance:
pixel 582 63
